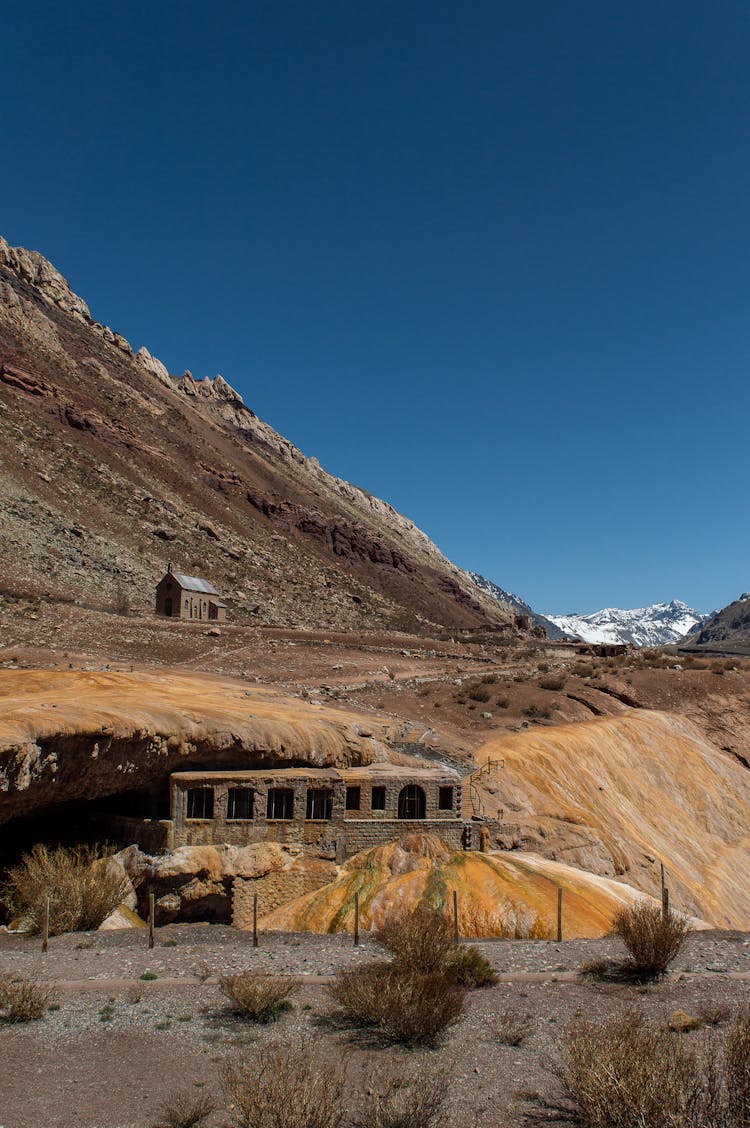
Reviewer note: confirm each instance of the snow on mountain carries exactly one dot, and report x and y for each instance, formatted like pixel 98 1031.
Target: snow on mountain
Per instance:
pixel 517 603
pixel 657 625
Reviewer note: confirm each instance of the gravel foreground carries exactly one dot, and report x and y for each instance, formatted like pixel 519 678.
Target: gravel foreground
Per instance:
pixel 119 1045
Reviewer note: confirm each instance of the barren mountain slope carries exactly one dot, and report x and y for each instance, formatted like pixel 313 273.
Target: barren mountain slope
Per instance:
pixel 725 632
pixel 109 467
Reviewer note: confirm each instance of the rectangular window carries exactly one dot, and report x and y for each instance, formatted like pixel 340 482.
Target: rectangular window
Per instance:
pixel 200 803
pixel 240 803
pixel 378 798
pixel 280 803
pixel 319 803
pixel 445 799
pixel 352 798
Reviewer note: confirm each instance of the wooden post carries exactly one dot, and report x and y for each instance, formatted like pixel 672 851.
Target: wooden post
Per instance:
pixel 151 916
pixel 45 926
pixel 665 902
pixel 255 920
pixel 356 919
pixel 455 917
pixel 559 913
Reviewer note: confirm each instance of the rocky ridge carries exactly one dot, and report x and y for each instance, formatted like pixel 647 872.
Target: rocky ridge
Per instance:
pixel 110 465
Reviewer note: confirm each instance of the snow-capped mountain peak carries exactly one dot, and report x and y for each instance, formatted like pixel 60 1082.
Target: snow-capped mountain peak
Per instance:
pixel 656 625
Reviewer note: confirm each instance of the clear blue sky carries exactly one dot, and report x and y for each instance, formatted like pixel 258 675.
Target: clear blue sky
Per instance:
pixel 489 260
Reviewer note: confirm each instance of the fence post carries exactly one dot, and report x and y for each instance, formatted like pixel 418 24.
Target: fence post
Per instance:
pixel 255 920
pixel 665 903
pixel 559 913
pixel 45 926
pixel 455 917
pixel 356 919
pixel 151 915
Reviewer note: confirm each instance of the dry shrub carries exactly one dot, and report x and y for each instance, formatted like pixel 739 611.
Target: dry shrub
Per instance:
pixel 470 968
pixel 594 971
pixel 627 1073
pixel 512 1027
pixel 714 1013
pixel 414 1100
pixel 652 939
pixel 479 694
pixel 24 1000
pixel 185 1110
pixel 736 1070
pixel 404 1005
pixel 554 681
pixel 420 939
pixel 258 997
pixel 82 883
pixel 284 1086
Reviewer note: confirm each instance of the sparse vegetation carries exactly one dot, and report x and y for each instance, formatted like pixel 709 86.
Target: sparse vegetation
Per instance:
pixel 258 997
pixel 185 1110
pixel 403 1005
pixel 24 1000
pixel 503 702
pixel 82 883
pixel 553 681
pixel 420 939
pixel 652 939
pixel 594 971
pixel 410 1101
pixel 284 1086
pixel 470 968
pixel 512 1027
pixel 537 712
pixel 479 694
pixel 632 1073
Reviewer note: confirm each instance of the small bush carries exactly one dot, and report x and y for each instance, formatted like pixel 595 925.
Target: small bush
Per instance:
pixel 593 970
pixel 479 694
pixel 628 1073
pixel 554 681
pixel 411 1101
pixel 470 968
pixel 284 1086
pixel 82 884
pixel 503 702
pixel 258 997
pixel 185 1110
pixel 512 1027
pixel 420 939
pixel 714 1013
pixel 652 940
pixel 24 1000
pixel 537 712
pixel 403 1005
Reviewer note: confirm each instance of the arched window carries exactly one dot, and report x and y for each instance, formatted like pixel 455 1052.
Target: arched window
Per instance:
pixel 411 802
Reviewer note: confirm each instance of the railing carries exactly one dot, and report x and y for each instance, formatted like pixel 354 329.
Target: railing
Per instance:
pixel 487 768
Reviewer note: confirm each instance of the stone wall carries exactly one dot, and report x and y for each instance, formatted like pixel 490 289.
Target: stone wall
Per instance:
pixel 277 888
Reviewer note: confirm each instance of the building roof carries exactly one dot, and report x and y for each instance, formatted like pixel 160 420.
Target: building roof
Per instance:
pixel 380 771
pixel 193 583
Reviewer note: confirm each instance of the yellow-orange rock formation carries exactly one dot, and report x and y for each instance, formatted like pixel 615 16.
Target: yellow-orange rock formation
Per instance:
pixel 497 893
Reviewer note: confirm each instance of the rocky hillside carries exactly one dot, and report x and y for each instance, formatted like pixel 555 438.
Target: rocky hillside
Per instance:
pixel 657 625
pixel 519 605
pixel 726 631
pixel 110 466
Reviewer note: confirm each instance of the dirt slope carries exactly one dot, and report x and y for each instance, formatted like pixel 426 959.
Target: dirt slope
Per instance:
pixel 109 467
pixel 618 795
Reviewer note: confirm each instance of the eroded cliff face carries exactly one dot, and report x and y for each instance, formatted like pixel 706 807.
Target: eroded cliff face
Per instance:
pixel 618 795
pixel 82 735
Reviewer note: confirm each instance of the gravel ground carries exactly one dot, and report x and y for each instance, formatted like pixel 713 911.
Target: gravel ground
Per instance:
pixel 119 1045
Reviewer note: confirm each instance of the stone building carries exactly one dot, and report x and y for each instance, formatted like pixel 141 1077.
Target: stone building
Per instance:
pixel 188 597
pixel 335 812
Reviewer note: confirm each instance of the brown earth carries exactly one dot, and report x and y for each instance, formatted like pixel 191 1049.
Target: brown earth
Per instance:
pixel 119 1046
pixel 109 467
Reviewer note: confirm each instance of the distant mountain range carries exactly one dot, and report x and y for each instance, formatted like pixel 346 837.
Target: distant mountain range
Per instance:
pixel 657 625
